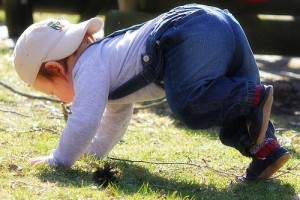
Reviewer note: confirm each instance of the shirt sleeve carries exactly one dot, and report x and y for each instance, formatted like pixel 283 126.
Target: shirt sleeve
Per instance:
pixel 113 126
pixel 91 86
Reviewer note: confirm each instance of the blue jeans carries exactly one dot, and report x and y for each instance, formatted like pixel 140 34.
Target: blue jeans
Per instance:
pixel 208 69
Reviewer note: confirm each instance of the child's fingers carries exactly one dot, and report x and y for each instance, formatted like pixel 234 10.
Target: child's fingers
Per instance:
pixel 33 162
pixel 39 162
pixel 36 161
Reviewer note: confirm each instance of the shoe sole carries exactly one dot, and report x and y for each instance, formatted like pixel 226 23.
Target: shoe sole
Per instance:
pixel 266 112
pixel 267 173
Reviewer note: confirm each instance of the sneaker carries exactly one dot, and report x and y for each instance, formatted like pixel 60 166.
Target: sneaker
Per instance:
pixel 268 159
pixel 258 120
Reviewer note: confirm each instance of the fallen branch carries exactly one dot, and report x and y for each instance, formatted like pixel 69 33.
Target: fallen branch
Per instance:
pixel 223 173
pixel 28 95
pixel 158 103
pixel 13 112
pixel 288 171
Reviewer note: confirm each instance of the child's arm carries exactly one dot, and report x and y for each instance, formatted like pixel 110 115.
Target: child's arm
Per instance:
pixel 91 92
pixel 112 128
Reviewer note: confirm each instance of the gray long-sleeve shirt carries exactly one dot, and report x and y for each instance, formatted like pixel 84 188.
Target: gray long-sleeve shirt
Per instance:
pixel 96 124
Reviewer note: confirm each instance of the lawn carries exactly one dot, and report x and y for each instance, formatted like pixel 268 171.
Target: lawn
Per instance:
pixel 158 158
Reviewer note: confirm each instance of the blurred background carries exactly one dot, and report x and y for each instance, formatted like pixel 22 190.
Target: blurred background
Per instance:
pixel 272 26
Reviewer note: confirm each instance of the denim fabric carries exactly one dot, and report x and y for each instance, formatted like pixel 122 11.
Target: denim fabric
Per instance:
pixel 235 134
pixel 208 69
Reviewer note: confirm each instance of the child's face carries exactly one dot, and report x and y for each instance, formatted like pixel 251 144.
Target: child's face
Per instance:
pixel 60 83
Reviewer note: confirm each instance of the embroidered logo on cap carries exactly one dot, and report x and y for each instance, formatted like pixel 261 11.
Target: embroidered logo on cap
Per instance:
pixel 55 25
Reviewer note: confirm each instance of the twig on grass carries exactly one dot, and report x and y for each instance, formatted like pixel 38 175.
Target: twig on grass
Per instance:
pixel 39 129
pixel 220 172
pixel 223 173
pixel 28 95
pixel 288 171
pixel 13 112
pixel 154 163
pixel 150 105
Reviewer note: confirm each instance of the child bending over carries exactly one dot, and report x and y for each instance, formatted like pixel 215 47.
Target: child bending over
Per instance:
pixel 196 56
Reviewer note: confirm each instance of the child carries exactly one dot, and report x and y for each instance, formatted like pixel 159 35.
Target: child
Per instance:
pixel 195 55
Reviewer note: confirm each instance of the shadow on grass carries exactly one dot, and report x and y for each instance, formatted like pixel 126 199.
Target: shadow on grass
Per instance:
pixel 137 179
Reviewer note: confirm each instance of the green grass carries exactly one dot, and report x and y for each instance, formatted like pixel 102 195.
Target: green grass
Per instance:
pixel 31 128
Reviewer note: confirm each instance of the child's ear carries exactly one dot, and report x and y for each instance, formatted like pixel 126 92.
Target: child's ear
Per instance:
pixel 55 68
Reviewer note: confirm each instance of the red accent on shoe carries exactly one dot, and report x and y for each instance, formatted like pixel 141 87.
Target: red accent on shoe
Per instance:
pixel 258 92
pixel 266 149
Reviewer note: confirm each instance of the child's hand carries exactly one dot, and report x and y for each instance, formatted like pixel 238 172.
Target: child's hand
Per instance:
pixel 39 160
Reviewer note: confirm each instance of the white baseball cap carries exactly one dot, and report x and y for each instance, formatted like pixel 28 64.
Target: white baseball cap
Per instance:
pixel 49 40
